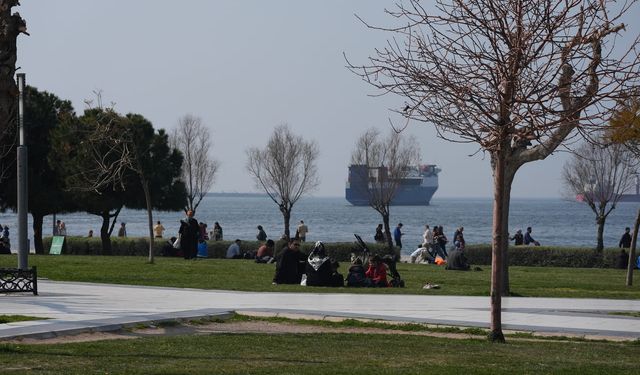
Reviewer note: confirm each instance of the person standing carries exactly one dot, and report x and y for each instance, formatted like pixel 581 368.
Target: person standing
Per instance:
pixel 625 240
pixel 302 231
pixel 122 232
pixel 397 235
pixel 379 236
pixel 62 228
pixel 262 235
pixel 458 237
pixel 427 237
pixel 217 232
pixel 189 234
pixel 158 230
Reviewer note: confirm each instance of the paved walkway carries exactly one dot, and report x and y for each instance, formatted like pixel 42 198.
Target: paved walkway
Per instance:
pixel 77 307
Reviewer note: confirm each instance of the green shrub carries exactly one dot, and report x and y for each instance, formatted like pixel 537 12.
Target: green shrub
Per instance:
pixel 546 256
pixel 536 256
pixel 139 246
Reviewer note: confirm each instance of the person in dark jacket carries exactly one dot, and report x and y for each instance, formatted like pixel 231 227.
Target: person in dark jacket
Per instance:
pixel 457 261
pixel 318 267
pixel 518 238
pixel 262 235
pixel 625 240
pixel 189 235
pixel 290 265
pixel 356 276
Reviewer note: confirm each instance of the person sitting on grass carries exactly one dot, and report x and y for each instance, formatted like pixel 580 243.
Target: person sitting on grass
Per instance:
pixel 457 260
pixel 233 252
pixel 421 254
pixel 377 272
pixel 356 276
pixel 290 265
pixel 336 280
pixel 265 252
pixel 318 267
pixel 168 250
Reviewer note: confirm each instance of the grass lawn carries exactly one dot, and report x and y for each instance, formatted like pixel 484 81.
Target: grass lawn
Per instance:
pixel 246 275
pixel 319 353
pixel 17 318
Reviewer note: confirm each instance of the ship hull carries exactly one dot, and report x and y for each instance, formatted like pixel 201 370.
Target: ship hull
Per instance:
pixel 405 196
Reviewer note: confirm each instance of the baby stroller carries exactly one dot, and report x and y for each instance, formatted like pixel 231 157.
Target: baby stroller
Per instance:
pixel 390 260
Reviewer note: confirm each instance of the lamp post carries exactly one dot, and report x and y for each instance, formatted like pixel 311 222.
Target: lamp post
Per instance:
pixel 23 248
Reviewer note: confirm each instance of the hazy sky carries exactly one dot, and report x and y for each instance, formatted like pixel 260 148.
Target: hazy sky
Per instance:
pixel 245 67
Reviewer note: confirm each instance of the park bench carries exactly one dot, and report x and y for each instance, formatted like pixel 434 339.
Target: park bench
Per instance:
pixel 15 280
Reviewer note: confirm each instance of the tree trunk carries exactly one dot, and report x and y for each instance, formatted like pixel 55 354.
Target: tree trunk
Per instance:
pixel 104 233
pixel 286 214
pixel 387 230
pixel 632 251
pixel 600 237
pixel 497 250
pixel 506 205
pixel 147 197
pixel 37 232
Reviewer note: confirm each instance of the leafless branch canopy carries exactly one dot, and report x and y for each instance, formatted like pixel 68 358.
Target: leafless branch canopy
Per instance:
pixel 486 71
pixel 109 154
pixel 386 160
pixel 193 139
pixel 286 168
pixel 600 174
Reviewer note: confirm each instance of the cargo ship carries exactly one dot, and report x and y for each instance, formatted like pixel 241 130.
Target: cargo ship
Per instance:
pixel 415 189
pixel 622 198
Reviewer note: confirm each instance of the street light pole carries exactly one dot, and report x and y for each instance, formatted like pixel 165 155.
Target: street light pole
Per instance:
pixel 23 248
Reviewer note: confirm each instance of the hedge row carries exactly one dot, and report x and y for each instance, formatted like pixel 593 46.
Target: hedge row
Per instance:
pixel 546 256
pixel 537 256
pixel 139 246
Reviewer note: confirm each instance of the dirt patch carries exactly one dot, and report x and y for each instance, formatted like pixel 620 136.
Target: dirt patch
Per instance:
pixel 231 327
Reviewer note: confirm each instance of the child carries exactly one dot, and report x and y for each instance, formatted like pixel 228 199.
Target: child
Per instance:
pixel 377 272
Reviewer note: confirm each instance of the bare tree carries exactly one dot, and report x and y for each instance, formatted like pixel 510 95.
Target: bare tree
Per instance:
pixel 625 130
pixel 193 139
pixel 600 175
pixel 285 169
pixel 11 25
pixel 382 163
pixel 517 77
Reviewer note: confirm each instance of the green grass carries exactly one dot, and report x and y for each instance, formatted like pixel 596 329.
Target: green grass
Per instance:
pixel 319 353
pixel 633 314
pixel 246 275
pixel 355 323
pixel 17 318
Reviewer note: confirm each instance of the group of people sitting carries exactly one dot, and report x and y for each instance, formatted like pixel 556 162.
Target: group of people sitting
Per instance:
pixel 431 251
pixel 318 269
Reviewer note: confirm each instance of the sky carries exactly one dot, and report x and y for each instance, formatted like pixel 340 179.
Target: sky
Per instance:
pixel 245 67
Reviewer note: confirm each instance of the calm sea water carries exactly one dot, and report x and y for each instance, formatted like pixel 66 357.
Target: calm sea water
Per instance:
pixel 554 221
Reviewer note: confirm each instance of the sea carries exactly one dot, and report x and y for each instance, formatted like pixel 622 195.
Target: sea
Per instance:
pixel 332 219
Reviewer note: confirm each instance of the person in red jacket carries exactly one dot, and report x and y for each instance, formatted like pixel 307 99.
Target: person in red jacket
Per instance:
pixel 377 272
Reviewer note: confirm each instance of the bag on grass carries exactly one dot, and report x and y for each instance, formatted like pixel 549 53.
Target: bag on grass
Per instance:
pixel 176 244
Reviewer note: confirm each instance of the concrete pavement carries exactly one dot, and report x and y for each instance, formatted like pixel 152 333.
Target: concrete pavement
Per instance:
pixel 79 307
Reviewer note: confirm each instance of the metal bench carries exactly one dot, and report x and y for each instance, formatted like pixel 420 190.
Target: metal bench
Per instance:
pixel 14 280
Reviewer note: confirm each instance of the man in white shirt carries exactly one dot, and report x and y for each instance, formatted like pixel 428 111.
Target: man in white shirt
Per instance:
pixel 427 237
